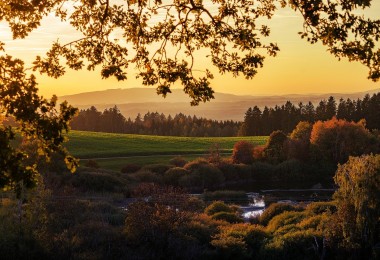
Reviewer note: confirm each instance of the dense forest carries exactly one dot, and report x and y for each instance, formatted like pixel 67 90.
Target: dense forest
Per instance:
pixel 287 116
pixel 256 121
pixel 112 121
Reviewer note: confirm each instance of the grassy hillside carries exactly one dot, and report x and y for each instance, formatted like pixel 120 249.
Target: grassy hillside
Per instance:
pixel 103 145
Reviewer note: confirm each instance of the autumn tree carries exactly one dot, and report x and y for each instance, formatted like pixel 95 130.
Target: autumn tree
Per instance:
pixel 358 201
pixel 242 152
pixel 274 150
pixel 299 142
pixel 338 139
pixel 163 52
pixel 302 131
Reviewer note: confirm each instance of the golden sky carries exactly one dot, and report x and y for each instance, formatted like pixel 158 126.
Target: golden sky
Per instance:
pixel 299 67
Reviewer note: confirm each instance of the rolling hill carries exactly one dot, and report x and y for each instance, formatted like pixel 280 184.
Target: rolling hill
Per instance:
pixel 105 145
pixel 224 107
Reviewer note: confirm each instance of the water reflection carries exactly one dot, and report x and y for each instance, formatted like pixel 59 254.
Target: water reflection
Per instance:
pixel 256 206
pixel 252 214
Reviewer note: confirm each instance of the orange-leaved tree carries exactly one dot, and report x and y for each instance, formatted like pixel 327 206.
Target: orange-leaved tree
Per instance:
pixel 242 152
pixel 338 139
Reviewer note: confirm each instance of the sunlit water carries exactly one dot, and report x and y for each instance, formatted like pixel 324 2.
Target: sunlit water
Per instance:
pixel 255 207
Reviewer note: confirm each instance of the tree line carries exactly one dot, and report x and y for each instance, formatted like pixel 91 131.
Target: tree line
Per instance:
pixel 152 123
pixel 256 121
pixel 287 116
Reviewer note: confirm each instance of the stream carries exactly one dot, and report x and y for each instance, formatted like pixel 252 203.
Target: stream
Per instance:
pixel 257 201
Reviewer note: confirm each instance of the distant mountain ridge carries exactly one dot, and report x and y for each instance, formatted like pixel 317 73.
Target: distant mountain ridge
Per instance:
pixel 224 107
pixel 140 95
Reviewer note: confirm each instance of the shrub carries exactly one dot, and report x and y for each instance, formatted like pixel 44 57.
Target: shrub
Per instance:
pixel 258 152
pixel 130 168
pixel 217 206
pixel 256 237
pixel 95 181
pixel 289 170
pixel 231 247
pixel 315 223
pixel 235 172
pixel 208 174
pixel 237 241
pixel 157 168
pixel 229 171
pixel 244 171
pixel 194 204
pixel 178 161
pixel 293 245
pixel 284 219
pixel 273 210
pixel 190 180
pixel 317 208
pixel 227 216
pixel 262 171
pixel 18 238
pixel 242 152
pixel 157 227
pixel 196 164
pixel 202 227
pixel 53 229
pixel 147 176
pixel 284 229
pixel 173 175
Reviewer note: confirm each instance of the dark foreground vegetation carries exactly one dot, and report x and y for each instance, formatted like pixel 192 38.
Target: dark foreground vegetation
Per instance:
pixel 146 212
pixel 61 221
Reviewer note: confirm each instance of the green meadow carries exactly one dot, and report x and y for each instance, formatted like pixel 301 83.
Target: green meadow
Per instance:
pixel 145 149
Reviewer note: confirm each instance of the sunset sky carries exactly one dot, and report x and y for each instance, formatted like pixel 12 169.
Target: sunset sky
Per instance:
pixel 299 67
